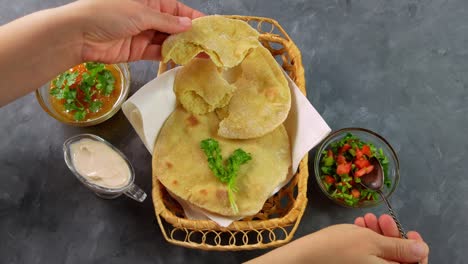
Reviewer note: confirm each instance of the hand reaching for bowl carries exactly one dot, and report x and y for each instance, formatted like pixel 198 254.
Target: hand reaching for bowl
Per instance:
pixel 36 48
pixel 368 241
pixel 386 226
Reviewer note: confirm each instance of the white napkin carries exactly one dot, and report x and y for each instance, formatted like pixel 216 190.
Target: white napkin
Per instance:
pixel 148 109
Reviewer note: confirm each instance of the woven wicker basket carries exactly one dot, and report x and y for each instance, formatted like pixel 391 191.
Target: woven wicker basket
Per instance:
pixel 279 218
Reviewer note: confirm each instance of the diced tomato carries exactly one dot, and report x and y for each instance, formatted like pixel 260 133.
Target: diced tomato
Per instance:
pixel 355 193
pixel 330 153
pixel 343 169
pixel 366 150
pixel 340 159
pixel 362 163
pixel 364 171
pixel 359 153
pixel 329 179
pixel 344 148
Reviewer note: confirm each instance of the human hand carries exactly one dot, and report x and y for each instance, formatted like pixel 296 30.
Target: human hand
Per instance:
pixel 386 226
pixel 347 244
pixel 129 30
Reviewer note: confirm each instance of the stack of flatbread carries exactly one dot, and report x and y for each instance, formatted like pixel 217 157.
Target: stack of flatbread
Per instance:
pixel 238 96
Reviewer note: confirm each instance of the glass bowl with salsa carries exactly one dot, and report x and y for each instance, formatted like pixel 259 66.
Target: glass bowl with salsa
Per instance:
pixel 87 94
pixel 343 158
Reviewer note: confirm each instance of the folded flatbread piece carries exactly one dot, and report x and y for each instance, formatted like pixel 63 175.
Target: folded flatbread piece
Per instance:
pixel 182 167
pixel 261 101
pixel 201 88
pixel 227 41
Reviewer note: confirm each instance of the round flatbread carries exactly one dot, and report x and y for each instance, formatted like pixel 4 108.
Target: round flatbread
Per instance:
pixel 227 41
pixel 200 87
pixel 261 101
pixel 182 167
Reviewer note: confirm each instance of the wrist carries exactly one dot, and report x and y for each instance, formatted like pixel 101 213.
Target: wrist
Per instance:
pixel 68 26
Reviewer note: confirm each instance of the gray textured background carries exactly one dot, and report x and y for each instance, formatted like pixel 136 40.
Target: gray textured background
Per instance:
pixel 397 67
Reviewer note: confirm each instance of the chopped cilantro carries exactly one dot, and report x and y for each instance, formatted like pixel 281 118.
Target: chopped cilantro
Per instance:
pixel 67 78
pixel 106 82
pixel 58 93
pixel 95 106
pixel 94 67
pixel 97 79
pixel 80 115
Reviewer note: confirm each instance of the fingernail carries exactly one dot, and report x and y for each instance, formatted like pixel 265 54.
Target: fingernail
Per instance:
pixel 418 249
pixel 185 21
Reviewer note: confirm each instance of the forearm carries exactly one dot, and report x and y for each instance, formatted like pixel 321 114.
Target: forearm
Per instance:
pixel 37 47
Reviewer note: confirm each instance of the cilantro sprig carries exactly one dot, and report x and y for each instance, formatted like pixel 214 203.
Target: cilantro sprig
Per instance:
pixel 225 173
pixel 97 79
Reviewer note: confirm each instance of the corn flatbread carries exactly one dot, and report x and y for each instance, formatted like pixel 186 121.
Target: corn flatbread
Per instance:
pixel 181 166
pixel 261 101
pixel 201 88
pixel 227 41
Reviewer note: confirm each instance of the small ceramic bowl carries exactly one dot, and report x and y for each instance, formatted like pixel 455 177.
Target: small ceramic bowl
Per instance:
pixel 365 135
pixel 130 190
pixel 43 97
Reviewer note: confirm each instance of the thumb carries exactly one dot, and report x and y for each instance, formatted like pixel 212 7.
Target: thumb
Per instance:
pixel 164 22
pixel 401 250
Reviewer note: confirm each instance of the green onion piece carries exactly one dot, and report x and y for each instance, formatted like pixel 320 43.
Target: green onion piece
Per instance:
pixel 328 161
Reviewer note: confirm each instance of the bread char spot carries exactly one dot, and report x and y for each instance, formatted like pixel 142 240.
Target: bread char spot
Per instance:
pixel 175 182
pixel 192 121
pixel 270 93
pixel 169 165
pixel 221 194
pixel 204 192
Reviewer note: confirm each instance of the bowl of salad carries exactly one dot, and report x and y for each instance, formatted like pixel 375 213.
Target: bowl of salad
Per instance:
pixel 343 158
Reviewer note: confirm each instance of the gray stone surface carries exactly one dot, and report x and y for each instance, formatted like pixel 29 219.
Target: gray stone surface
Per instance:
pixel 396 67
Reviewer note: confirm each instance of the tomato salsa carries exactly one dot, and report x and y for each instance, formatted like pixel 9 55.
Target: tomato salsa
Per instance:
pixel 344 163
pixel 86 91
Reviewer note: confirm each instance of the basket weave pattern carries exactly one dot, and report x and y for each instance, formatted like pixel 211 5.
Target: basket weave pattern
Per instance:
pixel 279 218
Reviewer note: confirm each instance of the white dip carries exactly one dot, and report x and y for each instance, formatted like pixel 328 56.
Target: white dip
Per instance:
pixel 99 164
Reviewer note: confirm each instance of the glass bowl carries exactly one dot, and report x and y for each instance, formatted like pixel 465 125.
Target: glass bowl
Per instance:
pixel 365 135
pixel 43 97
pixel 130 189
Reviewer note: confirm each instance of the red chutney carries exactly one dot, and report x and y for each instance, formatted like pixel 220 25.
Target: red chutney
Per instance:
pixel 108 101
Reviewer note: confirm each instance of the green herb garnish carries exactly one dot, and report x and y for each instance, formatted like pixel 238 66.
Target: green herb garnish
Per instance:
pixel 95 106
pixel 105 82
pixel 97 79
pixel 225 173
